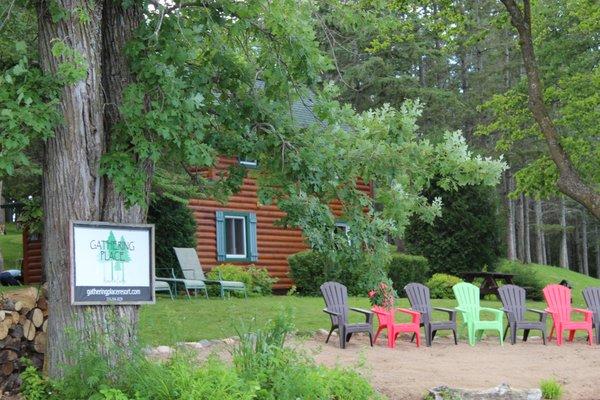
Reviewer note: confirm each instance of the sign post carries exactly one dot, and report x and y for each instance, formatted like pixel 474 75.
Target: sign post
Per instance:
pixel 111 263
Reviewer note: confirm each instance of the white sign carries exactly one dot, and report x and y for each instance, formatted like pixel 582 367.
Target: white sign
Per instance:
pixel 111 263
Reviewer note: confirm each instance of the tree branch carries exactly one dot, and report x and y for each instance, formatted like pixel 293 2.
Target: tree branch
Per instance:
pixel 569 182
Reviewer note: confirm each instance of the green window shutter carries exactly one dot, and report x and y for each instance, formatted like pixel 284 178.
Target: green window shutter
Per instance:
pixel 220 219
pixel 252 239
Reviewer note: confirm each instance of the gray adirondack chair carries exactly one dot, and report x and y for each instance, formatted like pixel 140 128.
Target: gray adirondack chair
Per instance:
pixel 192 271
pixel 513 302
pixel 591 296
pixel 336 305
pixel 420 300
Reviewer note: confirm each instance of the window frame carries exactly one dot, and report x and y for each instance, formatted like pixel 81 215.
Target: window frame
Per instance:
pixel 251 249
pixel 248 162
pixel 245 232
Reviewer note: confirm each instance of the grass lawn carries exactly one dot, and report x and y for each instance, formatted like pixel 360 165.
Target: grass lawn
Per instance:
pixel 168 322
pixel 11 246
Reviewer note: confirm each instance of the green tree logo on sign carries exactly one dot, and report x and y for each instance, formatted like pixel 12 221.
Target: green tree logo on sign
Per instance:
pixel 114 255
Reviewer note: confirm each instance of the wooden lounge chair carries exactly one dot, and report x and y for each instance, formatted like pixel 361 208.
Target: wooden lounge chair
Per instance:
pixel 467 296
pixel 420 301
pixel 336 305
pixel 592 299
pixel 513 302
pixel 192 271
pixel 558 298
pixel 387 320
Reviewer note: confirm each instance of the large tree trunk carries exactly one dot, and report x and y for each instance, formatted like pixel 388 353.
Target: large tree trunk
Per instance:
pixel 527 240
pixel 569 182
pixel 511 245
pixel 2 212
pixel 597 253
pixel 584 245
pixel 564 249
pixel 540 250
pixel 577 248
pixel 73 188
pixel 521 229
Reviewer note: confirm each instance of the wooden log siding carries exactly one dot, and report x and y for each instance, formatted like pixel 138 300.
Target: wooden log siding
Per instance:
pixel 274 243
pixel 31 269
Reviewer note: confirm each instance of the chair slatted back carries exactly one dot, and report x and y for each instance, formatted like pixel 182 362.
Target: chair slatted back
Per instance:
pixel 336 299
pixel 591 296
pixel 558 298
pixel 467 296
pixel 419 297
pixel 189 263
pixel 513 299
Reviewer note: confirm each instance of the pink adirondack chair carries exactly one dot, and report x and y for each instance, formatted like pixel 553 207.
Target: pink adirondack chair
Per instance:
pixel 387 321
pixel 558 298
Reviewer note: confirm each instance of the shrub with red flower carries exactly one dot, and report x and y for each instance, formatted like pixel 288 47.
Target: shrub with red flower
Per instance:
pixel 383 295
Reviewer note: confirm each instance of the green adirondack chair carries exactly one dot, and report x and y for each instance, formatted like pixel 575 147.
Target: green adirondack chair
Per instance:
pixel 467 296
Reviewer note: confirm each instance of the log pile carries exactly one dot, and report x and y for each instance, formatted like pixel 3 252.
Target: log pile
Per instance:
pixel 23 326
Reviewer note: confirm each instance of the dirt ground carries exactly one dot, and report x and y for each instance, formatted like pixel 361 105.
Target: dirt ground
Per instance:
pixel 406 372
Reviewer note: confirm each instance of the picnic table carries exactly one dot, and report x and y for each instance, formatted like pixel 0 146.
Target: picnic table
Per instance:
pixel 490 281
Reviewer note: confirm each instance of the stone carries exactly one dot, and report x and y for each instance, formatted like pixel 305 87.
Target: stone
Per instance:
pixel 502 392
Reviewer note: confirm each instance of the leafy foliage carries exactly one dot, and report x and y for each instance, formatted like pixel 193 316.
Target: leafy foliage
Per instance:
pixel 257 280
pixel 263 368
pixel 310 269
pixel 465 238
pixel 551 389
pixel 525 276
pixel 405 268
pixel 382 294
pixel 440 286
pixel 175 227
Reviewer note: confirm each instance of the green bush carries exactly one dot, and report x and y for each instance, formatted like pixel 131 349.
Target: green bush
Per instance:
pixel 405 268
pixel 465 237
pixel 525 276
pixel 551 389
pixel 257 280
pixel 440 286
pixel 175 227
pixel 263 368
pixel 310 269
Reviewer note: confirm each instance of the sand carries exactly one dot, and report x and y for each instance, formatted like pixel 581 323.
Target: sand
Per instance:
pixel 407 372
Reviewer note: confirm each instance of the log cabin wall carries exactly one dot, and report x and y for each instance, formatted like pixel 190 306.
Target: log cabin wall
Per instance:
pixel 31 269
pixel 274 243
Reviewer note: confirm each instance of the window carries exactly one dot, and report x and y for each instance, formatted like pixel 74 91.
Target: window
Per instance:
pixel 342 228
pixel 236 236
pixel 248 162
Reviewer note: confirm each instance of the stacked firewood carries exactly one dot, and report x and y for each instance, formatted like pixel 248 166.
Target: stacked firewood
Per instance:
pixel 23 327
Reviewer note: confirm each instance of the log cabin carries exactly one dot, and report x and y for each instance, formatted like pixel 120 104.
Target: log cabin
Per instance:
pixel 240 232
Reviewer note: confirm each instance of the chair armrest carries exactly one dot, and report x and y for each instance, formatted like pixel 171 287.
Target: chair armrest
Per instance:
pixel 499 313
pixel 335 314
pixel 368 314
pixel 587 313
pixel 451 312
pixel 416 316
pixel 543 314
pixel 361 310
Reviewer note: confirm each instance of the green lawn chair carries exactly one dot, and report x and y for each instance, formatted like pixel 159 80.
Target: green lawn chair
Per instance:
pixel 467 296
pixel 191 268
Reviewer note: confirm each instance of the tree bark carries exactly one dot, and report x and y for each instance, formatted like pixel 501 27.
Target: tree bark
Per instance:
pixel 510 229
pixel 521 229
pixel 597 252
pixel 540 250
pixel 564 250
pixel 2 211
pixel 584 245
pixel 577 248
pixel 73 188
pixel 569 181
pixel 527 241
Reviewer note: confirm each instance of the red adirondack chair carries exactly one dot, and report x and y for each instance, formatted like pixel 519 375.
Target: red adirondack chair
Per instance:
pixel 387 321
pixel 558 298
